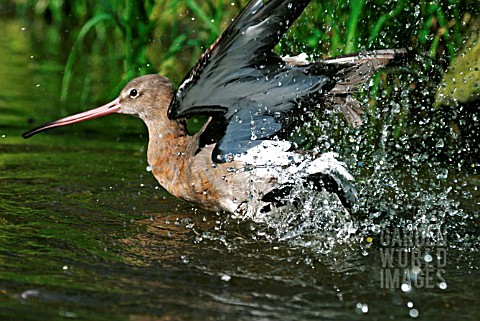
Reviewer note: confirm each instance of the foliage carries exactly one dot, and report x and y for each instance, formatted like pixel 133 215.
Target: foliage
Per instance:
pixel 152 34
pixel 166 31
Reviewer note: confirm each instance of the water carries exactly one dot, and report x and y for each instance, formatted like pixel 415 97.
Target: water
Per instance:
pixel 86 233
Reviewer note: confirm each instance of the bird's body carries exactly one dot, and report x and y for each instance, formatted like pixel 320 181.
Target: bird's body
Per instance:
pixel 187 171
pixel 241 160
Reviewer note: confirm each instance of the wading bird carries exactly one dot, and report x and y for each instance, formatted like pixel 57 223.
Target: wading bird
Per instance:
pixel 241 160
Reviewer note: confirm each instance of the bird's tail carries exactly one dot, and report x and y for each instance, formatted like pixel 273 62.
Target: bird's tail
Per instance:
pixel 354 70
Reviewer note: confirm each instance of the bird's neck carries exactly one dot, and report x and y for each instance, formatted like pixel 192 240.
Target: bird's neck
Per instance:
pixel 169 148
pixel 167 138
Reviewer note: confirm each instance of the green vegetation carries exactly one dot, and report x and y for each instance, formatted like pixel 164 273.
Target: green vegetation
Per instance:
pixel 152 36
pixel 156 35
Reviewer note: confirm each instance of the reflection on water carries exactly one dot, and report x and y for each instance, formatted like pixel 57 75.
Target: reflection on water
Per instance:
pixel 87 233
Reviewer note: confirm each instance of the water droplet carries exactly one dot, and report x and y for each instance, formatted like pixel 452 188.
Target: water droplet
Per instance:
pixel 68 314
pixel 414 313
pixel 405 287
pixel 226 277
pixel 442 173
pixel 440 143
pixel 361 307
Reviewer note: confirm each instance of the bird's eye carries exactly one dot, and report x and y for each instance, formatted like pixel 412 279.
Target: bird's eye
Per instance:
pixel 133 93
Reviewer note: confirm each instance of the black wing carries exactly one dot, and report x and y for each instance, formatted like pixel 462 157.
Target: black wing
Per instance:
pixel 250 92
pixel 241 82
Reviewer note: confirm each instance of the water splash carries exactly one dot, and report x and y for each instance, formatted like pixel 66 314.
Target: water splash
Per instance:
pixel 313 219
pixel 412 169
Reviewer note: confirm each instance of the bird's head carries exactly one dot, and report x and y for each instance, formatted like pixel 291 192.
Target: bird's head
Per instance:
pixel 147 97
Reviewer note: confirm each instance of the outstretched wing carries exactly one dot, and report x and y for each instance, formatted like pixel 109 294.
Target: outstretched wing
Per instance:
pixel 244 47
pixel 233 78
pixel 253 94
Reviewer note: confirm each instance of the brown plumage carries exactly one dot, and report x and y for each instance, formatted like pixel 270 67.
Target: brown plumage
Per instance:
pixel 173 155
pixel 241 161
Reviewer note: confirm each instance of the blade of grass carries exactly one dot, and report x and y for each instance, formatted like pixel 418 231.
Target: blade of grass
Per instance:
pixel 352 24
pixel 68 71
pixel 335 45
pixel 198 11
pixel 384 18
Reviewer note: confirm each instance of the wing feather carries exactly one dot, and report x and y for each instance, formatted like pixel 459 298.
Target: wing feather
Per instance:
pixel 253 94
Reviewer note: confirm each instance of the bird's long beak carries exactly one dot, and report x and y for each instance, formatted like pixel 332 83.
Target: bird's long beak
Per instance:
pixel 107 109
